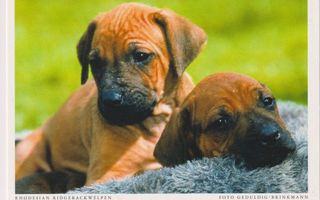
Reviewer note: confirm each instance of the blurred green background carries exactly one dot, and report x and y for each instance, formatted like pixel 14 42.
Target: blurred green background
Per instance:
pixel 265 39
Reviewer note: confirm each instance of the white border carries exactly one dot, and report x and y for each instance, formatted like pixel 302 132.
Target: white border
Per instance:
pixel 8 79
pixel 7 110
pixel 3 91
pixel 313 98
pixel 4 97
pixel 243 196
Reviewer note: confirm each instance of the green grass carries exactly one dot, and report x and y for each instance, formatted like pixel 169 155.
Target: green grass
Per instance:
pixel 266 39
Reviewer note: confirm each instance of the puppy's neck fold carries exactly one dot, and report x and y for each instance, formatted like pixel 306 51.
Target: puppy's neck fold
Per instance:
pixel 156 123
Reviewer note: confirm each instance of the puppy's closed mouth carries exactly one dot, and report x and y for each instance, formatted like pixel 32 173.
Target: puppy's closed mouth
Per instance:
pixel 256 154
pixel 126 110
pixel 269 159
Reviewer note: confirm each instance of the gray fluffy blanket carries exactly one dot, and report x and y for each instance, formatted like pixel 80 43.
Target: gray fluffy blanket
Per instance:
pixel 221 175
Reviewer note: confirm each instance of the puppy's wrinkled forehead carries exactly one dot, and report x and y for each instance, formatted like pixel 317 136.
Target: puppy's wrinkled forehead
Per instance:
pixel 127 24
pixel 230 92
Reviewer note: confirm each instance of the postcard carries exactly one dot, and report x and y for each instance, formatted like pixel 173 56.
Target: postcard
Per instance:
pixel 160 99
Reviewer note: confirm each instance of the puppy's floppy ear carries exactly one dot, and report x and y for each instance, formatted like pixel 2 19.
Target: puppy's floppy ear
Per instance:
pixel 83 50
pixel 184 39
pixel 177 140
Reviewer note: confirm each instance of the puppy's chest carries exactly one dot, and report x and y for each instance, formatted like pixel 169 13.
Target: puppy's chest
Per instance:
pixel 138 155
pixel 143 137
pixel 128 150
pixel 137 142
pixel 154 125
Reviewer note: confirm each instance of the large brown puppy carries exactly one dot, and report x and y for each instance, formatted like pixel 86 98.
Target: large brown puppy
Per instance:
pixel 108 128
pixel 226 114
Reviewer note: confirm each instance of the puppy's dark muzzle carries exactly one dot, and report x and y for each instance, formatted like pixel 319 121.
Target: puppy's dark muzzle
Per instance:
pixel 270 136
pixel 269 146
pixel 121 108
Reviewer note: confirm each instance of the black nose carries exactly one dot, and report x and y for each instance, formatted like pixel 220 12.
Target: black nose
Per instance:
pixel 111 98
pixel 269 135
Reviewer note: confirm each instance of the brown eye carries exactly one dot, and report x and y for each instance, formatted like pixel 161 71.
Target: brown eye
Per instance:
pixel 222 123
pixel 268 103
pixel 141 57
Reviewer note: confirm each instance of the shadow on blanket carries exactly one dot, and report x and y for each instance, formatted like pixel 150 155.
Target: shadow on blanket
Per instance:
pixel 221 175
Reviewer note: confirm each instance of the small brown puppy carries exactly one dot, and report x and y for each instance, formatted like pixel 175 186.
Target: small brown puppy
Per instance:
pixel 109 127
pixel 226 114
